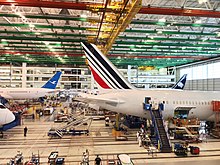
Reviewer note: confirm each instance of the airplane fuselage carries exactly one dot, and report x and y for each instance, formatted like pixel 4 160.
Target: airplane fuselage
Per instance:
pixel 24 93
pixel 131 102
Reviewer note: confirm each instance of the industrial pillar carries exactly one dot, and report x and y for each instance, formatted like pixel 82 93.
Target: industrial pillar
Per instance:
pixel 24 75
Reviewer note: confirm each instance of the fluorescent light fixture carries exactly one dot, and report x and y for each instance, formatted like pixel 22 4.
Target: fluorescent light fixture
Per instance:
pixel 202 1
pixel 162 20
pixel 31 25
pixel 46 43
pixel 198 21
pixel 84 16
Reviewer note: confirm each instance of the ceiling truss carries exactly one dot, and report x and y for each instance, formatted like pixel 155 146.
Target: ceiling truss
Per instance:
pixel 161 33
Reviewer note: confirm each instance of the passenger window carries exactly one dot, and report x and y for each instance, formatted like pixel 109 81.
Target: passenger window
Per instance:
pixel 189 102
pixel 173 102
pixel 183 102
pixel 186 102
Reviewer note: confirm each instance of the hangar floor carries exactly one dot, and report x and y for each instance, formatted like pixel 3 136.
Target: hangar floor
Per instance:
pixel 100 141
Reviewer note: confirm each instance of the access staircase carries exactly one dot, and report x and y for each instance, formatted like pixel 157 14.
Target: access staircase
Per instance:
pixel 161 138
pixel 161 133
pixel 59 132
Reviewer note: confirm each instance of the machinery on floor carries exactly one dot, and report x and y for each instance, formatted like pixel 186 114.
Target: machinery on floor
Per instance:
pixel 72 127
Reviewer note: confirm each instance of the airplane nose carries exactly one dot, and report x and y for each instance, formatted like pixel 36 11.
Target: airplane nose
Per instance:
pixel 9 117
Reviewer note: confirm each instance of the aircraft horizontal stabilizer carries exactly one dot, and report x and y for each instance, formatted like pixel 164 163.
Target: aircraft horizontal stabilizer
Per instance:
pixel 6 96
pixel 98 100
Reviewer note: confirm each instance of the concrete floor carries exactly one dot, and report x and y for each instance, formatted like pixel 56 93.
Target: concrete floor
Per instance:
pixel 100 141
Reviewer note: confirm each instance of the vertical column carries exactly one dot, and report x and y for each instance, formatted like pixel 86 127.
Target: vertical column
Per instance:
pixel 10 73
pixel 24 75
pixel 129 73
pixel 92 81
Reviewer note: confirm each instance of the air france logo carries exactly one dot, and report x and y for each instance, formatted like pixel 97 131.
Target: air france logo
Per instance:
pixel 53 82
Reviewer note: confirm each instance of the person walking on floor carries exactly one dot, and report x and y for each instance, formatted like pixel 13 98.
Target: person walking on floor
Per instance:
pixel 98 160
pixel 25 131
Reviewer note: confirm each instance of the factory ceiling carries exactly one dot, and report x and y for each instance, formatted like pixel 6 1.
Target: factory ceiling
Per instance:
pixel 159 33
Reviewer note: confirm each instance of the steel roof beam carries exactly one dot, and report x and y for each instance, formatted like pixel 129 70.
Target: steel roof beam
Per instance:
pixel 95 29
pixel 128 30
pixel 179 12
pixel 47 4
pixel 121 51
pixel 85 6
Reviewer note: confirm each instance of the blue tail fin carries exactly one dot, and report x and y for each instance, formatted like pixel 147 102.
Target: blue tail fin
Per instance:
pixel 52 83
pixel 181 83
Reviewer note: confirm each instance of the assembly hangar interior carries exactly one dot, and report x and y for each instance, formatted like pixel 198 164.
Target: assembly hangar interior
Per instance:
pixel 109 82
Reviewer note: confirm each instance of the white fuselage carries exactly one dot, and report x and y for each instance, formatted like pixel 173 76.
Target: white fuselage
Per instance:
pixel 6 116
pixel 131 102
pixel 24 93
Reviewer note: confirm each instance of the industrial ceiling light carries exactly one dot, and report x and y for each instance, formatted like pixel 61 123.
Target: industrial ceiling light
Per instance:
pixel 31 25
pixel 198 21
pixel 202 1
pixel 84 16
pixel 46 43
pixel 162 20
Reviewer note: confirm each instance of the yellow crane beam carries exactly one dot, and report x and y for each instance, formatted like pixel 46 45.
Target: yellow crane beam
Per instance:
pixel 125 19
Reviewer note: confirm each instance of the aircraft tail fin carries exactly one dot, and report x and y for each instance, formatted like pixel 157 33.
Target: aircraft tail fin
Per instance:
pixel 104 72
pixel 181 83
pixel 52 82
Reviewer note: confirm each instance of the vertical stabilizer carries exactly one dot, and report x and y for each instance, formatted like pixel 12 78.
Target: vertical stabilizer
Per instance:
pixel 52 83
pixel 104 72
pixel 181 83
